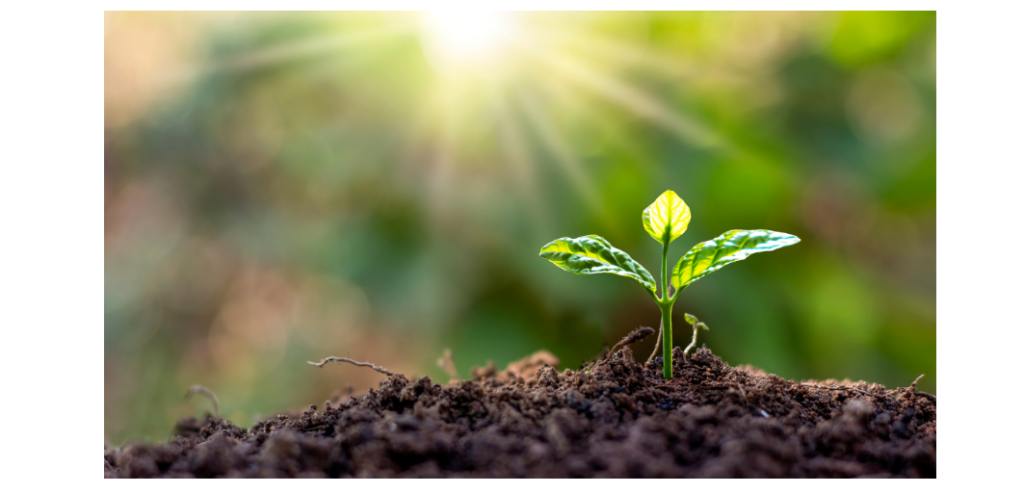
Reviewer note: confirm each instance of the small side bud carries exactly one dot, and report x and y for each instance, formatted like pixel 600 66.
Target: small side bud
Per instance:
pixel 697 325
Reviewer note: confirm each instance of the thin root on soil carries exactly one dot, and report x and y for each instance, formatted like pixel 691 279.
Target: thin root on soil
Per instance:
pixel 353 362
pixel 841 388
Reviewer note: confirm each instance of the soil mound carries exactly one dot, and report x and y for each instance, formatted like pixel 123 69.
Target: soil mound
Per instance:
pixel 612 418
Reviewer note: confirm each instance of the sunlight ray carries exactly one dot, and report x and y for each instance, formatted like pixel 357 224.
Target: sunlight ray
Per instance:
pixel 562 94
pixel 516 153
pixel 552 140
pixel 431 144
pixel 671 67
pixel 319 45
pixel 632 99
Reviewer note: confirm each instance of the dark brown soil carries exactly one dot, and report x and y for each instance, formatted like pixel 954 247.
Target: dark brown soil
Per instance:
pixel 612 418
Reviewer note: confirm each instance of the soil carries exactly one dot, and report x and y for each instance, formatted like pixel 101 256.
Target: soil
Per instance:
pixel 611 418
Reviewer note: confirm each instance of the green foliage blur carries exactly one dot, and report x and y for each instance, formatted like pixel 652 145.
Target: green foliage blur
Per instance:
pixel 281 187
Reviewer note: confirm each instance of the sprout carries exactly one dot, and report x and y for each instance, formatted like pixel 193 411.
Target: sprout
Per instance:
pixel 697 324
pixel 665 220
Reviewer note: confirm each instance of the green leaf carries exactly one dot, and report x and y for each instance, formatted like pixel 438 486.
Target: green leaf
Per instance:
pixel 667 217
pixel 734 245
pixel 690 318
pixel 593 255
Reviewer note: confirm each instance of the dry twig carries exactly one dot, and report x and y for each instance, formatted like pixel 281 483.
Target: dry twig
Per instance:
pixel 634 336
pixel 353 362
pixel 446 363
pixel 657 345
pixel 197 389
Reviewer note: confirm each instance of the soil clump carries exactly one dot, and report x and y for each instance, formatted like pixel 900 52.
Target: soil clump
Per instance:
pixel 613 417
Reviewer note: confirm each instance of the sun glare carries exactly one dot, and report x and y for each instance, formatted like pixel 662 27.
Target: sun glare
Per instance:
pixel 466 38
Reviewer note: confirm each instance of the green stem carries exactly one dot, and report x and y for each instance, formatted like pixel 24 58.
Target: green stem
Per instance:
pixel 666 335
pixel 666 313
pixel 664 273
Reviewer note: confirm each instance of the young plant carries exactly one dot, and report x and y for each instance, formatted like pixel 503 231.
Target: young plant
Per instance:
pixel 697 324
pixel 665 219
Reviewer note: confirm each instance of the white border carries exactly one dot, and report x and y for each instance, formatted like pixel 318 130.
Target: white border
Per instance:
pixel 51 207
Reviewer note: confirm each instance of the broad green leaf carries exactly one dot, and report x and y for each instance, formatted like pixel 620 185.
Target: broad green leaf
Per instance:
pixel 667 217
pixel 734 245
pixel 593 255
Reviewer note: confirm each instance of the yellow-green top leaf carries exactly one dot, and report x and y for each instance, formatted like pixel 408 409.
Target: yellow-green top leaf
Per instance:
pixel 594 255
pixel 667 217
pixel 734 245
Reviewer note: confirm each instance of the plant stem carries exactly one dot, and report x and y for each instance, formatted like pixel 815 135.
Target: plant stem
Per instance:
pixel 666 313
pixel 666 334
pixel 664 273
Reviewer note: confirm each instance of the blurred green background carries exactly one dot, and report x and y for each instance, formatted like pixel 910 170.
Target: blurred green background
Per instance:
pixel 281 187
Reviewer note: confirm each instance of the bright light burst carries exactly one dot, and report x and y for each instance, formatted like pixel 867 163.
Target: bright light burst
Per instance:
pixel 461 39
pixel 511 75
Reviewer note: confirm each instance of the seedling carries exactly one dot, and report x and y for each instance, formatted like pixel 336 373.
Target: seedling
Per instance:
pixel 665 220
pixel 697 324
